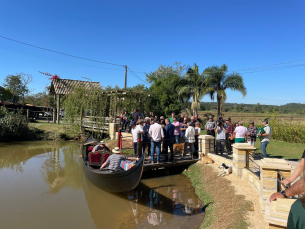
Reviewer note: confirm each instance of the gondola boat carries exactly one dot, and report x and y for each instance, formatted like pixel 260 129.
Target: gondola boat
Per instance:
pixel 108 180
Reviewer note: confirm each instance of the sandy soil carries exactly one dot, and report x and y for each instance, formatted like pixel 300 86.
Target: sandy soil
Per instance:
pixel 241 187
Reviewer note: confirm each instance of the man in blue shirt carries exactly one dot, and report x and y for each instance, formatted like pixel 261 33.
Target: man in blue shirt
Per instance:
pixel 169 139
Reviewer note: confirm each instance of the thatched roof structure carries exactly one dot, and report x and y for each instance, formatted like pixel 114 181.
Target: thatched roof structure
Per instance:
pixel 65 86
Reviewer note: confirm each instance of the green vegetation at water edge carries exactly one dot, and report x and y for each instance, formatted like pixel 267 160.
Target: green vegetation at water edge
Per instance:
pixel 194 174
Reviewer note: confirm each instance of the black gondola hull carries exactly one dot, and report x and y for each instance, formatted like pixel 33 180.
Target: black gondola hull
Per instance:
pixel 114 181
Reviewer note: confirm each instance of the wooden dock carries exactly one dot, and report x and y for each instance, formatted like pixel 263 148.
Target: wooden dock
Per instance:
pixel 167 165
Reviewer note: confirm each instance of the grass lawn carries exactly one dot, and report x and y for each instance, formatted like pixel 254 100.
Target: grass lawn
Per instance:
pixel 285 150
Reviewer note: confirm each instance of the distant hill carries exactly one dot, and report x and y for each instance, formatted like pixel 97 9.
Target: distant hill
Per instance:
pixel 289 108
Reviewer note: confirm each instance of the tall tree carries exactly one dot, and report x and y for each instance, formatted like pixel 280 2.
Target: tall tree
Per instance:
pixel 219 80
pixel 163 89
pixel 193 84
pixel 18 85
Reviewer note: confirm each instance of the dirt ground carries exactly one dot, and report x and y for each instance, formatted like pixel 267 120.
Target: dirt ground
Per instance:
pixel 241 187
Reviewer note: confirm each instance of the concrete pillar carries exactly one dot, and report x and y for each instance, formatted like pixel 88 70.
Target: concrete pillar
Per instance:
pixel 269 175
pixel 113 128
pixel 240 151
pixel 205 145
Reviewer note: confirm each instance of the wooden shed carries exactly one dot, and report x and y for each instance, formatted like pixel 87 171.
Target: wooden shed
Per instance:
pixel 61 87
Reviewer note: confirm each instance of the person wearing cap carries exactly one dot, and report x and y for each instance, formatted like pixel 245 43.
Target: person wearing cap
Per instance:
pixel 190 138
pixel 135 130
pixel 240 133
pixel 113 162
pixel 230 130
pixel 100 146
pixel 265 138
pixel 210 126
pixel 252 130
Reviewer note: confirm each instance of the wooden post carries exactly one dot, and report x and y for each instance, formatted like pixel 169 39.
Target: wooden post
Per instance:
pixel 54 110
pixel 125 76
pixel 139 145
pixel 119 138
pixel 58 108
pixel 27 114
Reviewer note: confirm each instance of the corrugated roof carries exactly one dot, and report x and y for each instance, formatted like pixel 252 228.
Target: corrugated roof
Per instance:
pixel 64 86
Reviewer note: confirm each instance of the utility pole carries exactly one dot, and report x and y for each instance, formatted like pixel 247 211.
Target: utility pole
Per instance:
pixel 125 76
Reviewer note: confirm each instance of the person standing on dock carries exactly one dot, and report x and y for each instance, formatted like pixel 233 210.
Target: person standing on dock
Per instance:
pixel 169 138
pixel 156 136
pixel 183 126
pixel 135 129
pixel 177 130
pixel 171 119
pixel 190 138
pixel 145 141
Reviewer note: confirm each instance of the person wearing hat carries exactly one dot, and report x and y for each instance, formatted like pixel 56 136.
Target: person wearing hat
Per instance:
pixel 100 146
pixel 210 127
pixel 135 129
pixel 230 130
pixel 265 137
pixel 114 161
pixel 252 130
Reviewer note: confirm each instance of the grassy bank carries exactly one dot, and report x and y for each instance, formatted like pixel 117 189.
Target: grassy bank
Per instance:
pixel 224 209
pixel 51 131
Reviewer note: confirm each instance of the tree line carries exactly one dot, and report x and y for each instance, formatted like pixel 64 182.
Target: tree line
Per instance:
pixel 172 88
pixel 289 108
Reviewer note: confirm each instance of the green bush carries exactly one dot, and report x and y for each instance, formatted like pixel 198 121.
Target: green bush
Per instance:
pixel 13 126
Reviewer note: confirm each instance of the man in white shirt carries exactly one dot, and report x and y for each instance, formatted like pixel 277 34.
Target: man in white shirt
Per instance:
pixel 190 138
pixel 135 129
pixel 156 136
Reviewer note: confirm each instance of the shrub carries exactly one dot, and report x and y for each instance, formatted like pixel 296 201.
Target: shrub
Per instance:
pixel 13 126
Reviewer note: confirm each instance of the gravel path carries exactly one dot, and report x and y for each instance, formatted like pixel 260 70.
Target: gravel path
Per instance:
pixel 255 217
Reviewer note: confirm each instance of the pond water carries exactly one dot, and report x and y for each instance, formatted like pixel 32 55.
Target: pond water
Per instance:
pixel 42 185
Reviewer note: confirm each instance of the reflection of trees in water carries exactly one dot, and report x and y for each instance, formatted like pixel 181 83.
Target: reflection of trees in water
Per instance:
pixel 157 206
pixel 63 169
pixel 13 156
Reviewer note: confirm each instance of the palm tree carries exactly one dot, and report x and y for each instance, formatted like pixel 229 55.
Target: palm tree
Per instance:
pixel 193 85
pixel 218 80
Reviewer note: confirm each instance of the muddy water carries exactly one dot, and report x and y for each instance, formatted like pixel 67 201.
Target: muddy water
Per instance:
pixel 42 186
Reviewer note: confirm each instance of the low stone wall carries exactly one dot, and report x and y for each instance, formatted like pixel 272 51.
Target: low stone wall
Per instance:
pixel 276 212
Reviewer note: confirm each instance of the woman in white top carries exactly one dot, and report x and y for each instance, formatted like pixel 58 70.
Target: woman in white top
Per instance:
pixel 240 133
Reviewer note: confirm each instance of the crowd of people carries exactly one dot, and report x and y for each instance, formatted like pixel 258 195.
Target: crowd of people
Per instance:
pixel 227 134
pixel 159 134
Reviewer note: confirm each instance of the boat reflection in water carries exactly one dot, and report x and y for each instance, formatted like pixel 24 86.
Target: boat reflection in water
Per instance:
pixel 160 202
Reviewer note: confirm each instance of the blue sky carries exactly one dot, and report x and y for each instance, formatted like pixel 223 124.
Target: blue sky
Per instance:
pixel 144 34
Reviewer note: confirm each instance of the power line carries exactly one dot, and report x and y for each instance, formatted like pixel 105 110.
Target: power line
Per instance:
pixel 49 50
pixel 54 58
pixel 138 76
